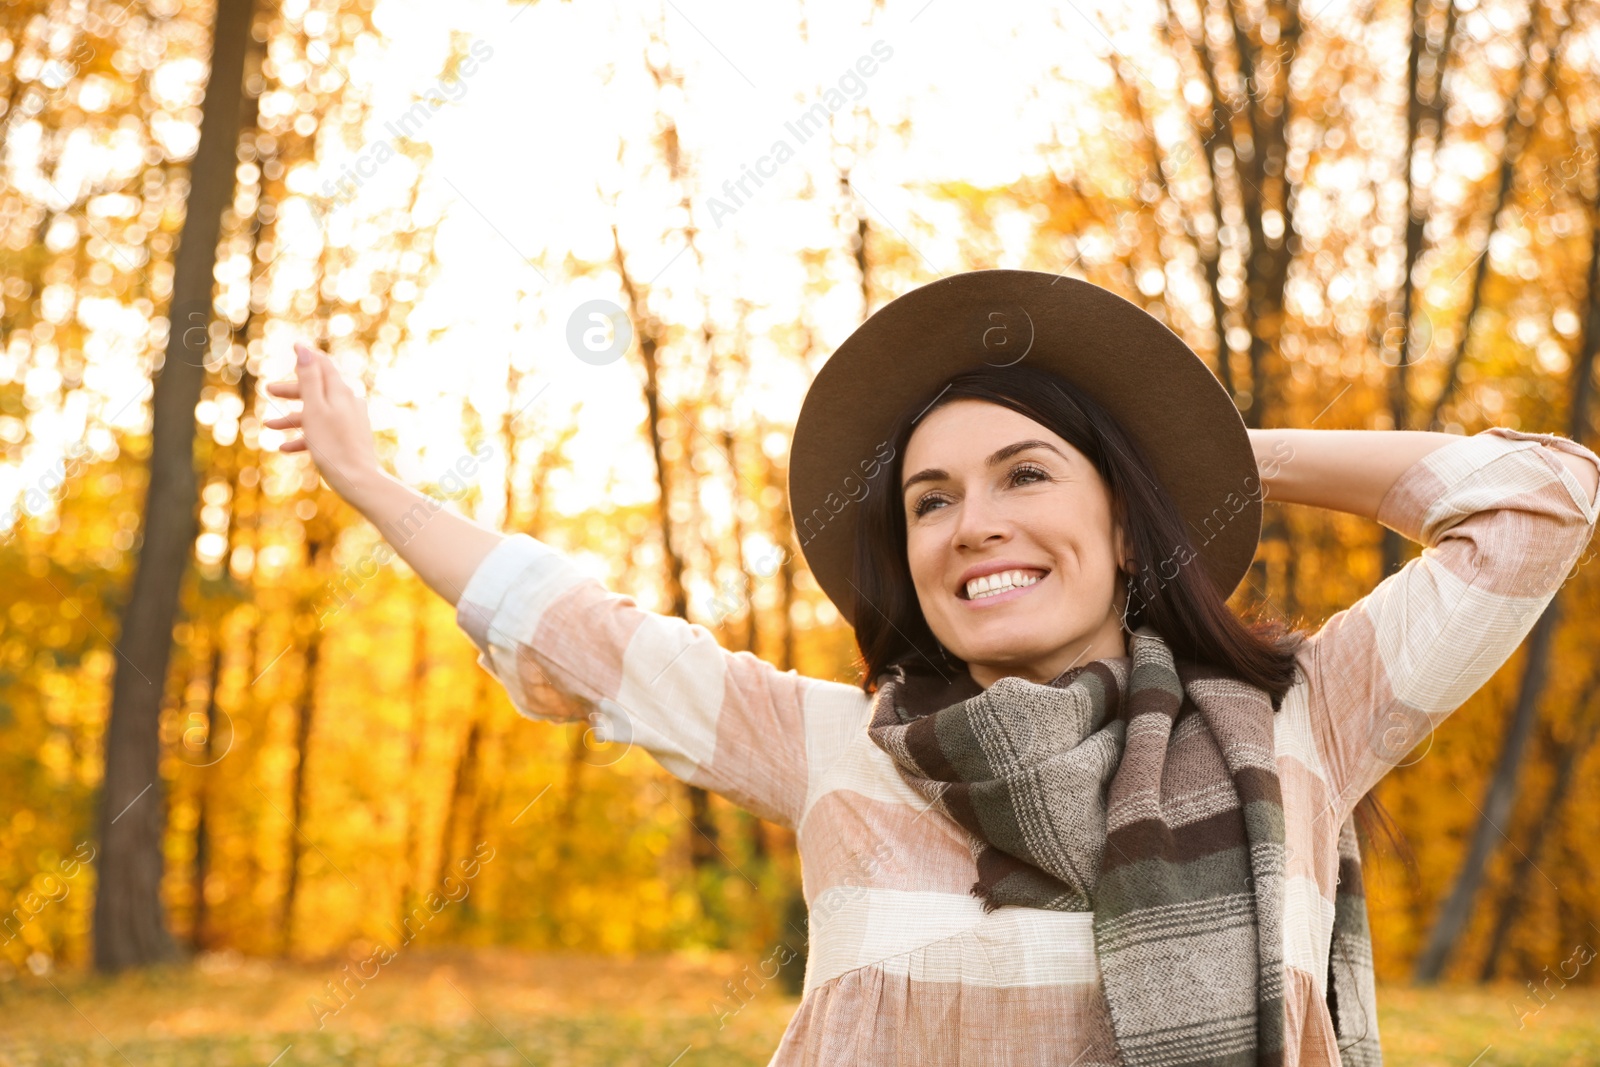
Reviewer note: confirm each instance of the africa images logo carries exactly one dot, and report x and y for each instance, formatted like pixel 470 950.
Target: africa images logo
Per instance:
pixel 805 126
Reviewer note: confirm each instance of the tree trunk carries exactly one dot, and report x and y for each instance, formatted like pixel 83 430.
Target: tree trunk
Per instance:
pixel 464 784
pixel 411 861
pixel 1572 755
pixel 702 842
pixel 230 459
pixel 1514 136
pixel 305 715
pixel 202 837
pixel 749 640
pixel 1245 146
pixel 1496 807
pixel 486 798
pixel 1208 247
pixel 130 923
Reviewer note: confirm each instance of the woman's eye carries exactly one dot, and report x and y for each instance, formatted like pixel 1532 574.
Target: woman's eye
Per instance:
pixel 926 504
pixel 1028 475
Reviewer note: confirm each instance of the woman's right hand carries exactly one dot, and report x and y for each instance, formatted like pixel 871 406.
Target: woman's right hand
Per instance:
pixel 332 421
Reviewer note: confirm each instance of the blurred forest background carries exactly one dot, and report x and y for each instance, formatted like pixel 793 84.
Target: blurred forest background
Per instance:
pixel 224 728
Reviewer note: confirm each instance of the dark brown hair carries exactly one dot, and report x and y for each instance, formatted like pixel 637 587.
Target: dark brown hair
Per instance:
pixel 1185 607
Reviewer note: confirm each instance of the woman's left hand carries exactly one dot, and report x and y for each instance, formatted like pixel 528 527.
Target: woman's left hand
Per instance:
pixel 332 421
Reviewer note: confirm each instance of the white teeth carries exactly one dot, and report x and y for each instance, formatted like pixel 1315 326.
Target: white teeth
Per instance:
pixel 995 584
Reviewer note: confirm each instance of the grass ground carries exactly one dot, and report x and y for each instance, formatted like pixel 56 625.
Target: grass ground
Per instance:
pixel 503 1009
pixel 1496 1026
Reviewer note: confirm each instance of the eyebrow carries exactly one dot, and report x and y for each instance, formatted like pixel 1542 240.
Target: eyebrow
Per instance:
pixel 933 474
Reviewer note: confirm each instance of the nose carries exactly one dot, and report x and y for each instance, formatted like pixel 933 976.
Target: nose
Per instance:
pixel 982 523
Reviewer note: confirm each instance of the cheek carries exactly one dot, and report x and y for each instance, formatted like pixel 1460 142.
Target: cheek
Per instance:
pixel 1077 546
pixel 923 558
pixel 928 558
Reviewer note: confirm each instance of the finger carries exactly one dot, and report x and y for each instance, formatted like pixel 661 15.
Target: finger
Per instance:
pixel 290 389
pixel 298 444
pixel 309 368
pixel 333 383
pixel 290 421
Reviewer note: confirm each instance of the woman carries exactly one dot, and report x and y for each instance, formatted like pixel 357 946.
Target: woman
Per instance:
pixel 1077 812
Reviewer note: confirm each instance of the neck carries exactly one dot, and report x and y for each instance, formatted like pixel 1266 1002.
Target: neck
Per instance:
pixel 1105 643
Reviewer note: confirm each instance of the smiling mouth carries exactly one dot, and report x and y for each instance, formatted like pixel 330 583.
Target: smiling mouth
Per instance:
pixel 1003 582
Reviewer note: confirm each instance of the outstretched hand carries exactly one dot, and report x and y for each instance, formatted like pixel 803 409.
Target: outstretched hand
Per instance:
pixel 444 548
pixel 332 421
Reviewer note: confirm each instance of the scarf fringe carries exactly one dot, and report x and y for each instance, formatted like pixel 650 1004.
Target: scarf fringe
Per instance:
pixel 986 894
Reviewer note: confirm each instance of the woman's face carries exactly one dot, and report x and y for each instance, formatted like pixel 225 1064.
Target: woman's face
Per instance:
pixel 1012 542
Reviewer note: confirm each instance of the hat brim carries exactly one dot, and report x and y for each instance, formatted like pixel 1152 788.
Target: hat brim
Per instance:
pixel 1144 375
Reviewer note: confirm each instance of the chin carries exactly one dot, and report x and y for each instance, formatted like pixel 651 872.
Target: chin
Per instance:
pixel 1016 646
pixel 1006 656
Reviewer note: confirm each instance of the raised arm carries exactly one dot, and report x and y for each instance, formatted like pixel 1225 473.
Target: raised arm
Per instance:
pixel 567 649
pixel 1352 470
pixel 442 547
pixel 1503 517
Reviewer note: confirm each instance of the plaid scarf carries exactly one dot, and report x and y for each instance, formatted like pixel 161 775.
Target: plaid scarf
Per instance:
pixel 1147 794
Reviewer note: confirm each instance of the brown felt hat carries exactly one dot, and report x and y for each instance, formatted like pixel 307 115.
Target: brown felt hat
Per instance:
pixel 1152 383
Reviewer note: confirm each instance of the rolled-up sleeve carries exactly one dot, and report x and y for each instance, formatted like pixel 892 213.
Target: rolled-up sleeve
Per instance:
pixel 567 649
pixel 1503 522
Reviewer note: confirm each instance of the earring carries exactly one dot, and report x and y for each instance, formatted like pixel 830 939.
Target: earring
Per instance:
pixel 1127 602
